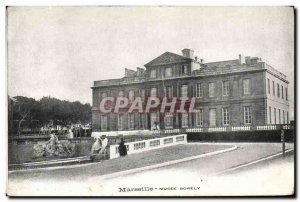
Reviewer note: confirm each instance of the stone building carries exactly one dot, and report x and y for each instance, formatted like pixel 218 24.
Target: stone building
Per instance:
pixel 239 92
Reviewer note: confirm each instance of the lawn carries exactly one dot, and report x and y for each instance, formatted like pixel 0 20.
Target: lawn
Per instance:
pixel 132 161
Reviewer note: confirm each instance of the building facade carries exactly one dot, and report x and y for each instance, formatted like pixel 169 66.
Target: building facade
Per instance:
pixel 239 92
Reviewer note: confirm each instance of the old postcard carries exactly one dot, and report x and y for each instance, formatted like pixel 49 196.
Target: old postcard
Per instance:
pixel 150 101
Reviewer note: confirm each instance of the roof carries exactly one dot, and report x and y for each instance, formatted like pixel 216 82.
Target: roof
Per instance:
pixel 167 58
pixel 222 63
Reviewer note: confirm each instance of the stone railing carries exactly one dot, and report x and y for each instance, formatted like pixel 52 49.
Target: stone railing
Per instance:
pixel 146 145
pixel 217 129
pixel 194 130
pixel 122 81
pixel 240 128
pixel 229 128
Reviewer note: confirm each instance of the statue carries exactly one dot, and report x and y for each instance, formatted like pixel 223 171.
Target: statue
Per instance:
pixel 98 151
pixel 99 146
pixel 54 148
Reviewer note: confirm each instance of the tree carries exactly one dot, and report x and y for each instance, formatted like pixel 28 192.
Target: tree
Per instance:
pixel 24 108
pixel 48 110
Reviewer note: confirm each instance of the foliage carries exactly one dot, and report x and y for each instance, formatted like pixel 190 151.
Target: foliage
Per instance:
pixel 48 110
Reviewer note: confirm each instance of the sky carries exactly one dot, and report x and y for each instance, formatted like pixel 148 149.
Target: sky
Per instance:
pixel 60 51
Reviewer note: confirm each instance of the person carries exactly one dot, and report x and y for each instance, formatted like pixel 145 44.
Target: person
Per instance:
pixel 70 133
pixel 155 126
pixel 122 148
pixel 104 142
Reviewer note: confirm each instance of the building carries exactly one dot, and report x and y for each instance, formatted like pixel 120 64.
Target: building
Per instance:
pixel 239 92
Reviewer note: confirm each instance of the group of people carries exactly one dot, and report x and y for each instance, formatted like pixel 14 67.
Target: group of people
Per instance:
pixel 69 131
pixel 100 144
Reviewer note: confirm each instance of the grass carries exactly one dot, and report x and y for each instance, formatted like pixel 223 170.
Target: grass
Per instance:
pixel 123 163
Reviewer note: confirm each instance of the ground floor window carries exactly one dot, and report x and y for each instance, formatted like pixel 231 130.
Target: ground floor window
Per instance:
pixel 184 120
pixel 199 118
pixel 247 115
pixel 153 117
pixel 142 121
pixel 270 115
pixel 131 121
pixel 103 122
pixel 279 116
pixel 120 121
pixel 274 115
pixel 212 117
pixel 168 120
pixel 225 116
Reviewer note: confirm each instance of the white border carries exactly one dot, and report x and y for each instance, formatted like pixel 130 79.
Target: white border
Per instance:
pixel 3 91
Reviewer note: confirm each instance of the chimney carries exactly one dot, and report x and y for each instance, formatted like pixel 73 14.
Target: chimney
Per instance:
pixel 188 53
pixel 201 61
pixel 241 59
pixel 196 59
pixel 247 60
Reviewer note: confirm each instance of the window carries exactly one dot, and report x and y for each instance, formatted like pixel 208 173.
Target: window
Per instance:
pixel 120 121
pixel 131 96
pixel 104 122
pixel 283 117
pixel 287 117
pixel 153 73
pixel 247 115
pixel 169 91
pixel 286 93
pixel 212 117
pixel 168 72
pixel 142 120
pixel 246 86
pixel 225 116
pixel 275 115
pixel 278 91
pixel 270 115
pixel 153 117
pixel 268 86
pixel 168 120
pixel 225 88
pixel 142 94
pixel 184 120
pixel 199 118
pixel 131 121
pixel 198 90
pixel 282 95
pixel 273 88
pixel 183 69
pixel 153 92
pixel 211 89
pixel 279 116
pixel 184 91
pixel 121 93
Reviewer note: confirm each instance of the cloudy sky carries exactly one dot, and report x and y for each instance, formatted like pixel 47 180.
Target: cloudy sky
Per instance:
pixel 60 51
